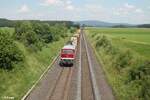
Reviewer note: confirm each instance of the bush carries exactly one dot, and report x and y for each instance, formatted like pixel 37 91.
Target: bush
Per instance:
pixel 26 33
pixel 132 72
pixel 145 91
pixel 140 72
pixel 21 28
pixel 123 58
pixel 9 52
pixel 36 35
pixel 114 50
pixel 103 41
pixel 93 35
pixel 73 30
pixel 31 38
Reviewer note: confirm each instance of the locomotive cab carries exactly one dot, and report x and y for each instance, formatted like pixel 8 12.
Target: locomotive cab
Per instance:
pixel 67 55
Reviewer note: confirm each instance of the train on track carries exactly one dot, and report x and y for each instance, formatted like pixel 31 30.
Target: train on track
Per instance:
pixel 68 52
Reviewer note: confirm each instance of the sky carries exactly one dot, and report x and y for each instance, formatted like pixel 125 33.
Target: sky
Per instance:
pixel 116 11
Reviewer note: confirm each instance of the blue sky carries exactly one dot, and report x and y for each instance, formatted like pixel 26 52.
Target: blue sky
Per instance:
pixel 124 11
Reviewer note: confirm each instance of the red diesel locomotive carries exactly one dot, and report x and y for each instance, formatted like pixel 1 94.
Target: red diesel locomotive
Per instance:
pixel 68 53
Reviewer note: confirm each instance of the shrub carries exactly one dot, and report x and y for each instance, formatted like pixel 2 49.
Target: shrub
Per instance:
pixel 31 38
pixel 140 72
pixel 101 41
pixel 123 59
pixel 73 30
pixel 35 34
pixel 93 35
pixel 26 33
pixel 9 52
pixel 114 50
pixel 135 79
pixel 145 91
pixel 21 29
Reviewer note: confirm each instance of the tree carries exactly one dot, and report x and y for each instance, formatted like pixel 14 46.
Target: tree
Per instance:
pixel 21 29
pixel 26 33
pixel 9 52
pixel 36 34
pixel 43 31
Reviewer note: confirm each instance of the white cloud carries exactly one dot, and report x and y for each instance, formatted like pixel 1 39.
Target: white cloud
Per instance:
pixel 127 9
pixel 61 4
pixel 128 6
pixel 24 9
pixel 94 9
pixel 95 12
pixel 68 2
pixel 50 2
pixel 70 7
pixel 139 10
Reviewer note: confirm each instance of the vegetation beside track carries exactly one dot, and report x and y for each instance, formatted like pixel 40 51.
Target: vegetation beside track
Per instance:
pixel 26 51
pixel 127 67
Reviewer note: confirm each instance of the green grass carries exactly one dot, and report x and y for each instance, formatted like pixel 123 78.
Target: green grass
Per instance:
pixel 136 39
pixel 7 30
pixel 16 83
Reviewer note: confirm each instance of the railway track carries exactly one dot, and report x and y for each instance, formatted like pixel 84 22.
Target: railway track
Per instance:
pixel 79 82
pixel 61 88
pixel 89 92
pixel 86 83
pixel 101 89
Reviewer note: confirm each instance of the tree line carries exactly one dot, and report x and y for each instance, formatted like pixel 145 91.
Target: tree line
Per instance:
pixel 11 23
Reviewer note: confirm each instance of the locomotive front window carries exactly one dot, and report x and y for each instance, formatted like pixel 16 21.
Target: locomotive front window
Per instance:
pixel 68 51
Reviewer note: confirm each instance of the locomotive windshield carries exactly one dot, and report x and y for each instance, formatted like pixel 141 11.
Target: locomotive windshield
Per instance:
pixel 67 51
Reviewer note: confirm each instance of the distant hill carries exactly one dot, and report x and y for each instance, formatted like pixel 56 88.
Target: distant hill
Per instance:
pixel 95 23
pixel 11 23
pixel 144 26
pixel 91 23
pixel 6 23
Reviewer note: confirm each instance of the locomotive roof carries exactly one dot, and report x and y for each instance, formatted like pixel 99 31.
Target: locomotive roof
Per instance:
pixel 69 47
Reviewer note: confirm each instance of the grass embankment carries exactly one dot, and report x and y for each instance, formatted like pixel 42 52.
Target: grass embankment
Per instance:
pixel 16 82
pixel 125 63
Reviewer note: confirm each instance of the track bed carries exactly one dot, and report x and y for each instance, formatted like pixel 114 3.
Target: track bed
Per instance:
pixel 85 80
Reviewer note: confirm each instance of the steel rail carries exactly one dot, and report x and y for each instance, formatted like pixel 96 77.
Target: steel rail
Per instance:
pixel 97 95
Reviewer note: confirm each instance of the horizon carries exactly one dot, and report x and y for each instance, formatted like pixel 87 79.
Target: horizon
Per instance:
pixel 74 21
pixel 111 11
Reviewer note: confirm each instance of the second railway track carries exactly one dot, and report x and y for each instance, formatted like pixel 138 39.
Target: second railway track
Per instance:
pixel 86 82
pixel 89 85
